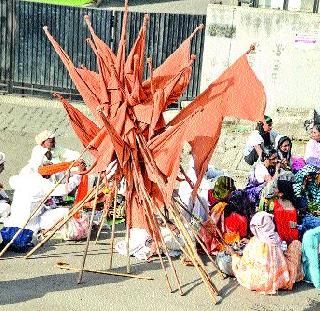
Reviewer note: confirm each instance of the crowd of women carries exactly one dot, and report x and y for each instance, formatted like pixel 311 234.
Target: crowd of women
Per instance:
pixel 272 226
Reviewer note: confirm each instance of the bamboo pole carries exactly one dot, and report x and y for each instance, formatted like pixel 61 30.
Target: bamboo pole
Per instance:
pixel 205 249
pixel 158 249
pixel 212 289
pixel 60 224
pixel 39 206
pixel 128 241
pixel 113 221
pixel 90 229
pixel 156 226
pixel 101 223
pixel 139 277
pixel 136 180
pixel 195 259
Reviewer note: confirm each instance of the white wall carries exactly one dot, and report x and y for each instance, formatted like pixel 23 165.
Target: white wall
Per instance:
pixel 287 57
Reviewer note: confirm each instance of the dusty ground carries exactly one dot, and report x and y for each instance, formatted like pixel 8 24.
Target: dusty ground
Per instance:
pixel 35 284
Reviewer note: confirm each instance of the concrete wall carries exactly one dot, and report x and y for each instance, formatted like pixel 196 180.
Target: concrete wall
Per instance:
pixel 287 56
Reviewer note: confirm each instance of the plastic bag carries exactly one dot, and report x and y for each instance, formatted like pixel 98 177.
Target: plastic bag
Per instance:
pixel 76 229
pixel 21 243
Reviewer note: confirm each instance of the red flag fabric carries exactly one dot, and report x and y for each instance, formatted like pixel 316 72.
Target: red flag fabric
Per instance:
pixel 82 189
pixel 137 51
pixel 246 98
pixel 83 85
pixel 178 60
pixel 221 98
pixel 84 128
pixel 121 53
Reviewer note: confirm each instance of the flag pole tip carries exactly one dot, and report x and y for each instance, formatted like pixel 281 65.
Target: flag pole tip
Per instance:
pixel 252 48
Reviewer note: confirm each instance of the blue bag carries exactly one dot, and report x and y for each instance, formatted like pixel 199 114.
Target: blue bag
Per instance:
pixel 21 243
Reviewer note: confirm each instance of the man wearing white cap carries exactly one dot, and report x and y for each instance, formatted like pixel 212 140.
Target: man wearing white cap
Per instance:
pixel 4 199
pixel 46 150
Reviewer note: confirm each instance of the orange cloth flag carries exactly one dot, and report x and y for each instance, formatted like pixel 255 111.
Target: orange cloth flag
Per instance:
pixel 84 128
pixel 82 189
pixel 176 62
pixel 83 80
pixel 245 99
pixel 223 97
pixel 166 150
pixel 121 53
pixel 138 51
pixel 55 168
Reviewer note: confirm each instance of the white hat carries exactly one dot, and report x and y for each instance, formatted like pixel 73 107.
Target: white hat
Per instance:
pixel 2 158
pixel 41 137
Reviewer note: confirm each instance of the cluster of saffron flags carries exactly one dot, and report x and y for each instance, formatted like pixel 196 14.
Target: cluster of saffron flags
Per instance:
pixel 130 125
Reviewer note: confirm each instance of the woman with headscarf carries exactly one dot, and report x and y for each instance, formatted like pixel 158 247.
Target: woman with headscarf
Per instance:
pixel 262 137
pixel 307 188
pixel 263 267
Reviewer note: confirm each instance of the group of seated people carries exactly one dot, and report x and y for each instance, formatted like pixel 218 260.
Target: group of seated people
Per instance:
pixel 264 224
pixel 31 185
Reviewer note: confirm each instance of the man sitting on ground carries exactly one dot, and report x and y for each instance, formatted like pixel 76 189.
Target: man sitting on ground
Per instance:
pixel 46 150
pixel 29 190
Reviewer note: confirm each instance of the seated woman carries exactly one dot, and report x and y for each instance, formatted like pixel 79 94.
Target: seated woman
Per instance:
pixel 312 152
pixel 283 145
pixel 262 137
pixel 307 188
pixel 263 267
pixel 285 212
pixel 265 170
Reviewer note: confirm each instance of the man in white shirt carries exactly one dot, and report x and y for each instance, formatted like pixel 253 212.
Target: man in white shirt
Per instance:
pixel 46 150
pixel 29 191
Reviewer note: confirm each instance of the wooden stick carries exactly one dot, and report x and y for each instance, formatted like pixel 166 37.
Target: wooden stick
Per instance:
pixel 39 206
pixel 158 248
pixel 60 224
pixel 206 251
pixel 113 221
pixel 127 241
pixel 156 226
pixel 139 277
pixel 212 289
pixel 195 258
pixel 101 223
pixel 90 229
pixel 136 180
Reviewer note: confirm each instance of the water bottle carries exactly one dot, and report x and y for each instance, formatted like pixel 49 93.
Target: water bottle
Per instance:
pixel 284 246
